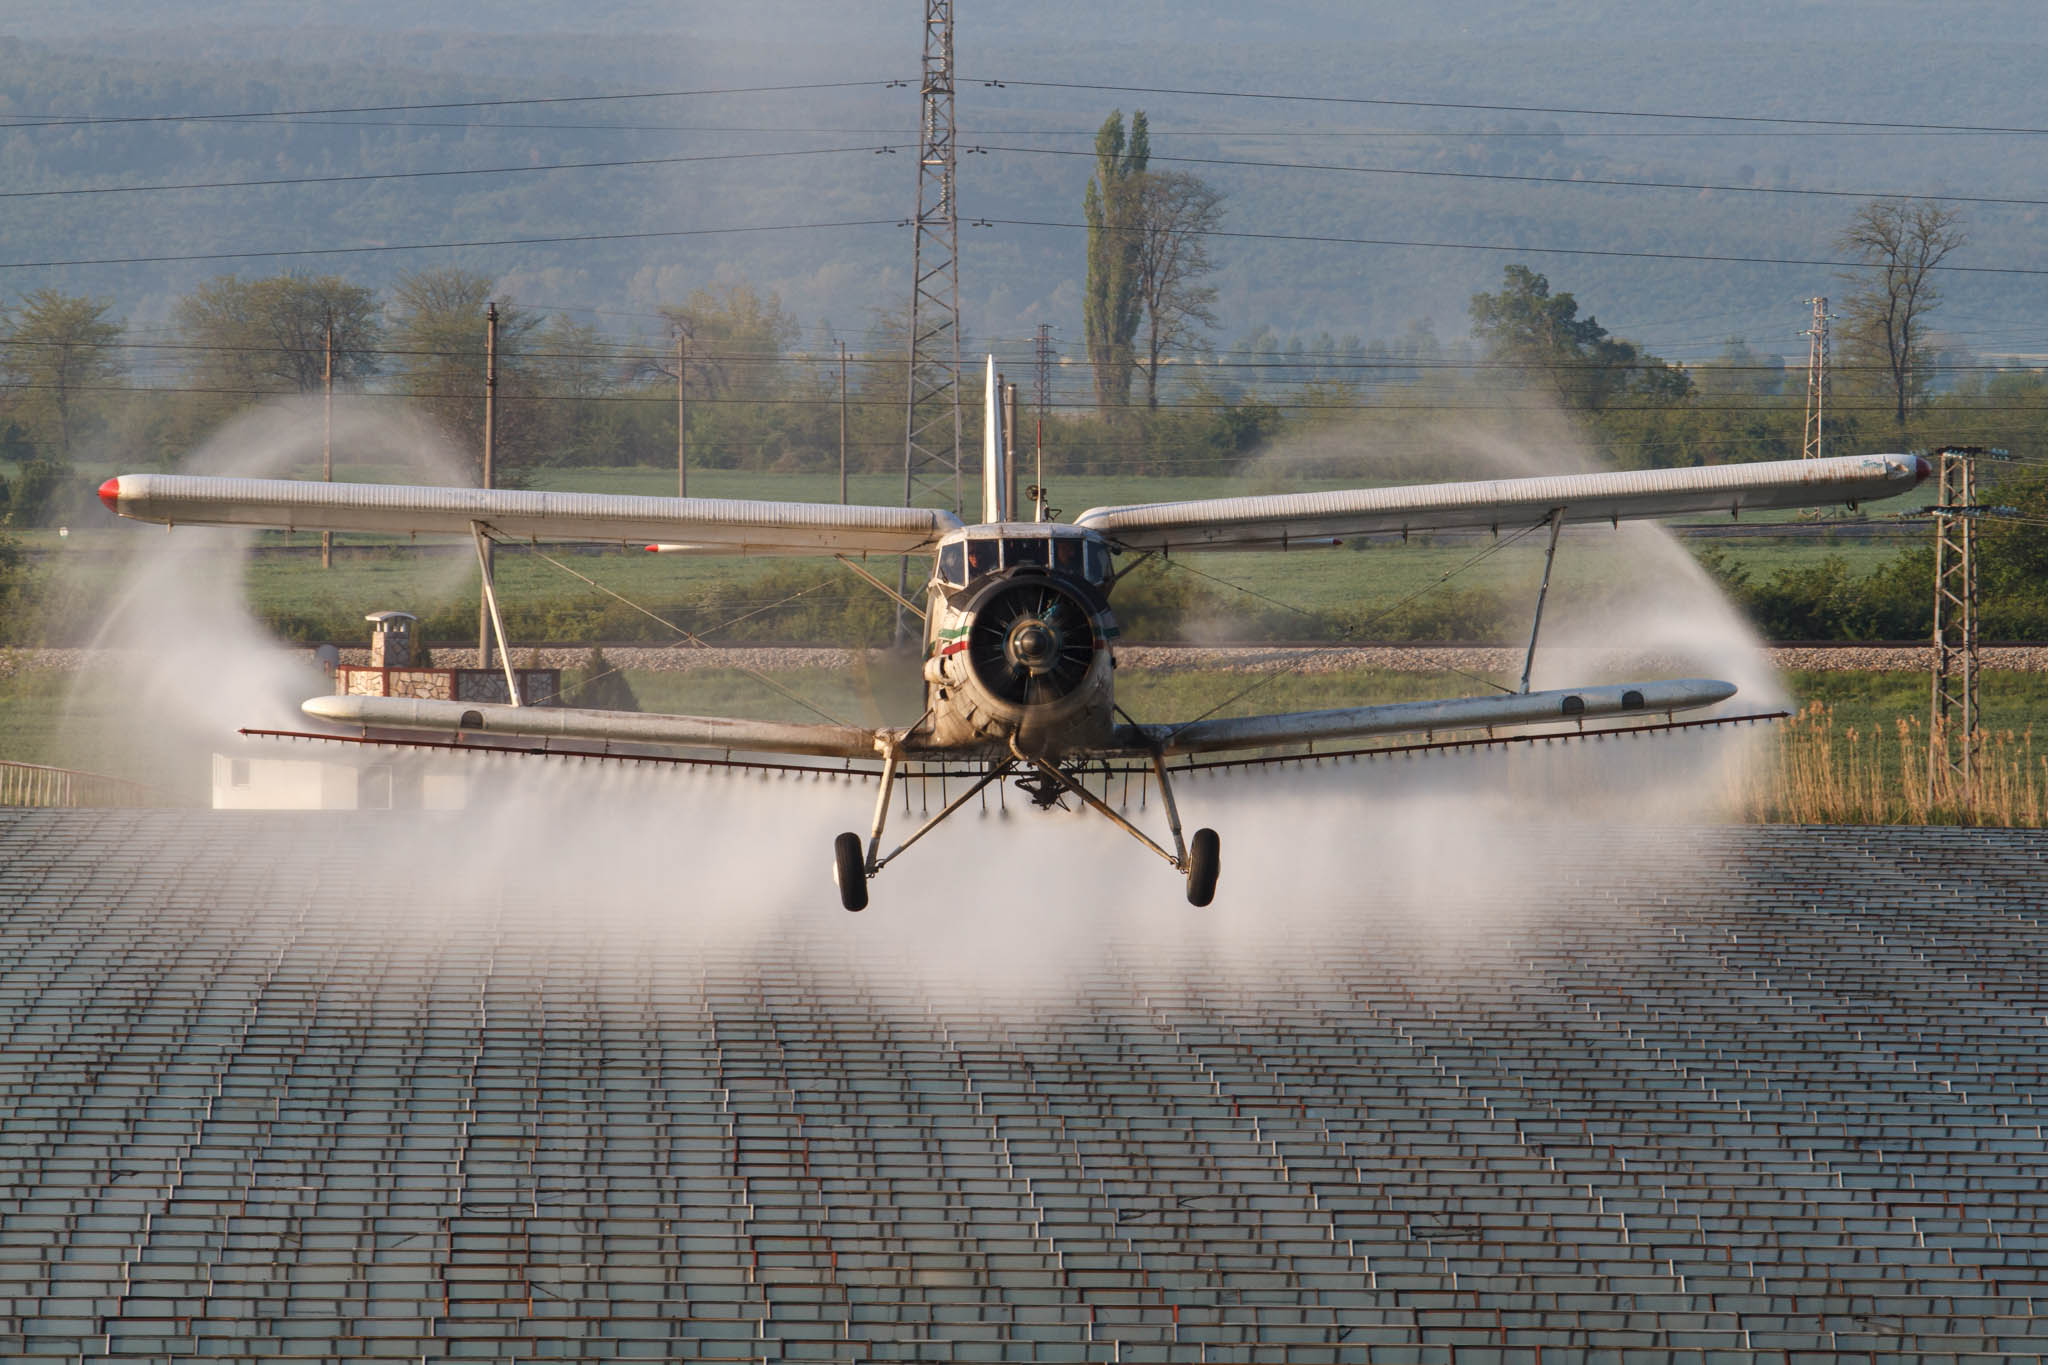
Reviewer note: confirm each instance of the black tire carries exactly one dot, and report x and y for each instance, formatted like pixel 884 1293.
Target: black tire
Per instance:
pixel 1204 862
pixel 850 870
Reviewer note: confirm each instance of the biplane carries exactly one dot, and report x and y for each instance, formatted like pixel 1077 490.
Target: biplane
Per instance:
pixel 1019 635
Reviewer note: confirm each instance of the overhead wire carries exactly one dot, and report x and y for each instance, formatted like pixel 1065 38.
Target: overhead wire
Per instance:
pixel 564 238
pixel 43 120
pixel 1386 102
pixel 1596 181
pixel 895 403
pixel 1521 250
pixel 438 174
pixel 1190 365
pixel 77 120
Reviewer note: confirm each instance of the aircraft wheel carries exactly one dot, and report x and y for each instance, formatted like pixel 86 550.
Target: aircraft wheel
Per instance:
pixel 1203 865
pixel 850 871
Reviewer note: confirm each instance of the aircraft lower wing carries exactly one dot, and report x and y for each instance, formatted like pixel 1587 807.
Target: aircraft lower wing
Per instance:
pixel 617 727
pixel 1427 717
pixel 718 525
pixel 1197 737
pixel 1281 521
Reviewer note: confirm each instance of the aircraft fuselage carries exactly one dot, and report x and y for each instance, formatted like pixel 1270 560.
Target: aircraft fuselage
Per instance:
pixel 1019 640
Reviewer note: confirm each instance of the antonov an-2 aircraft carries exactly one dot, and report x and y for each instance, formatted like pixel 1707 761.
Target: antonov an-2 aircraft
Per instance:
pixel 1018 631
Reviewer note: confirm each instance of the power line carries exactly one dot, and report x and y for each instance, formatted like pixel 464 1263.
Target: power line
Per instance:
pixel 71 121
pixel 1187 365
pixel 1528 250
pixel 428 175
pixel 1522 108
pixel 1533 179
pixel 1259 133
pixel 443 246
pixel 1311 238
pixel 1080 401
pixel 76 120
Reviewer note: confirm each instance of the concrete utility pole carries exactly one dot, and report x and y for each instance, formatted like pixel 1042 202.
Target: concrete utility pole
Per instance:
pixel 1954 746
pixel 842 422
pixel 490 568
pixel 1009 393
pixel 1043 394
pixel 682 417
pixel 1814 445
pixel 327 434
pixel 931 410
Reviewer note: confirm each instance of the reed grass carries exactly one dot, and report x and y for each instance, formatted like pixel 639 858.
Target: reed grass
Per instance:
pixel 1822 772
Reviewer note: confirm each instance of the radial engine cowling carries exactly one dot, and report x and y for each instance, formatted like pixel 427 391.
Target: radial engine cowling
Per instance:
pixel 1035 662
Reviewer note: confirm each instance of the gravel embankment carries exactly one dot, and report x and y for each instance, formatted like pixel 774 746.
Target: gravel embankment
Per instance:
pixel 1154 658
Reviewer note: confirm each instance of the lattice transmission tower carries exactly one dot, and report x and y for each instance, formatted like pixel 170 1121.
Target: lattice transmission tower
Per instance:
pixel 1953 745
pixel 931 420
pixel 1814 446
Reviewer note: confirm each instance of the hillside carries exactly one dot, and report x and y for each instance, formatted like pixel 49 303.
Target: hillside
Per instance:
pixel 118 59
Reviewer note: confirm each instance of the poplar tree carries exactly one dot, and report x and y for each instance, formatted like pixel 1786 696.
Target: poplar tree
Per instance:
pixel 1112 306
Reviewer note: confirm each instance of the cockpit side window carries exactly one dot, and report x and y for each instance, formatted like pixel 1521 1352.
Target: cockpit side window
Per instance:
pixel 1097 562
pixel 981 557
pixel 1066 555
pixel 953 564
pixel 1021 551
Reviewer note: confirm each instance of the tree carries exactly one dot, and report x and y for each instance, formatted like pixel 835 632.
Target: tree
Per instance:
pixel 57 348
pixel 438 331
pixel 1111 309
pixel 734 338
pixel 1173 215
pixel 1741 369
pixel 1542 334
pixel 1883 322
pixel 575 367
pixel 271 333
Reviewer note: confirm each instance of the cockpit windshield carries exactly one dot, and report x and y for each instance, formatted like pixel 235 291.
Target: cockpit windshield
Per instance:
pixel 962 562
pixel 1019 550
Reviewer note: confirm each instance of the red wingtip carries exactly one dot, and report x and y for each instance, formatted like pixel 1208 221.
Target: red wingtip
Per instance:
pixel 110 493
pixel 654 549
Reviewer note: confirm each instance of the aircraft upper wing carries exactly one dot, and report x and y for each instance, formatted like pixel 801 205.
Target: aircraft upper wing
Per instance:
pixel 722 525
pixel 1281 521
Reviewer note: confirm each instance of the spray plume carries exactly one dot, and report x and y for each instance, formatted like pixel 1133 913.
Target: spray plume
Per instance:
pixel 1024 906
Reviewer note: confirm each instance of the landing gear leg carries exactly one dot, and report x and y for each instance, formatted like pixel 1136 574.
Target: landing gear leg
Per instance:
pixel 851 868
pixel 1198 863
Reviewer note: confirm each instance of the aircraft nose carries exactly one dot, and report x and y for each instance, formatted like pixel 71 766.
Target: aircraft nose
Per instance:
pixel 110 493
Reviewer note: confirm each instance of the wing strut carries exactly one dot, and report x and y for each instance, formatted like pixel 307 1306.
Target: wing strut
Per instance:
pixel 483 564
pixel 1556 520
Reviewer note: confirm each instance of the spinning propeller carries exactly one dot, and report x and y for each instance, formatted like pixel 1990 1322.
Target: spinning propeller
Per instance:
pixel 1032 641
